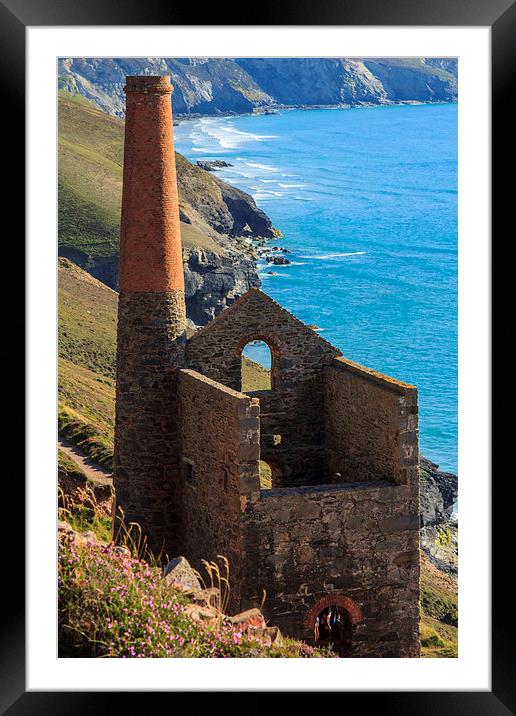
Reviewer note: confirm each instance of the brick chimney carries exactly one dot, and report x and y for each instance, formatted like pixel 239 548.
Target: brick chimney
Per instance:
pixel 150 240
pixel 151 319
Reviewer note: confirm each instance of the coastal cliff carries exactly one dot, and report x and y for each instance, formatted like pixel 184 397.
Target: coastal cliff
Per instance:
pixel 211 86
pixel 217 220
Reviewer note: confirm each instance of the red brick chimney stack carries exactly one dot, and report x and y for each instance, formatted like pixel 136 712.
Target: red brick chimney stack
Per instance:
pixel 151 320
pixel 150 239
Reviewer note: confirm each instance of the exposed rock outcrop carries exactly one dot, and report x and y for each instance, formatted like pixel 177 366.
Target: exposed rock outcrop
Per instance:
pixel 438 494
pixel 213 282
pixel 201 86
pixel 212 165
pixel 179 573
pixel 277 260
pixel 439 528
pixel 441 546
pixel 246 218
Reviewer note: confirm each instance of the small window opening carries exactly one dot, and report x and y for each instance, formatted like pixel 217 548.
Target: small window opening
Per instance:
pixel 256 367
pixel 225 480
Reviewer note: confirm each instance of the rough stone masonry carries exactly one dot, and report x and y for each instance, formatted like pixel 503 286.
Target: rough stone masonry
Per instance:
pixel 339 529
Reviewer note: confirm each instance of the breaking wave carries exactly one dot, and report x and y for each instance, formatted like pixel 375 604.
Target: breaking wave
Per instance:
pixel 335 255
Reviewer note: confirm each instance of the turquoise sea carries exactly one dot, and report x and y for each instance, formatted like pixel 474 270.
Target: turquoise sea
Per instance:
pixel 367 201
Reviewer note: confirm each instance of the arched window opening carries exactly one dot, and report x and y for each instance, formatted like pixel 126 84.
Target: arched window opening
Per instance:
pixel 333 628
pixel 256 367
pixel 270 475
pixel 265 475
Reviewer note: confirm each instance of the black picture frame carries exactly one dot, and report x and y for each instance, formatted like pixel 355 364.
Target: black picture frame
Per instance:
pixel 500 16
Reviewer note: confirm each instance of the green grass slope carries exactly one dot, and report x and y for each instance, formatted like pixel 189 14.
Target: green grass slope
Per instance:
pixel 87 360
pixel 87 319
pixel 87 355
pixel 439 612
pixel 90 183
pixel 90 177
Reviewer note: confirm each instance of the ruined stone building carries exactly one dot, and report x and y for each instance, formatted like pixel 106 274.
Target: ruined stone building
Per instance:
pixel 339 528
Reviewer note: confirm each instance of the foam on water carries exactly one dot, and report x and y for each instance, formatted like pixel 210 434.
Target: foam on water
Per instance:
pixel 262 166
pixel 335 255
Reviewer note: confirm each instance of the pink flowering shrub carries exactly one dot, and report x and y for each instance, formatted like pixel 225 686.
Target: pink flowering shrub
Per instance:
pixel 113 605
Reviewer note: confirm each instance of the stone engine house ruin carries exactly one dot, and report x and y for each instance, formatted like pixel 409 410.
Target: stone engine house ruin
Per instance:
pixel 339 528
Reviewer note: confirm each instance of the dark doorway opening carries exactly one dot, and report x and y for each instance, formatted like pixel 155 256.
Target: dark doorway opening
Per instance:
pixel 333 629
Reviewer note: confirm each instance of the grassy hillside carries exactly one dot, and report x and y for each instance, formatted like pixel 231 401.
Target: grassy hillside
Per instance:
pixel 87 357
pixel 87 319
pixel 90 183
pixel 439 612
pixel 254 376
pixel 90 177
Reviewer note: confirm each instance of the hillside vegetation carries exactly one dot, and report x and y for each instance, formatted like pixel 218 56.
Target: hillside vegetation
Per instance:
pixel 114 604
pixel 91 145
pixel 439 612
pixel 90 182
pixel 87 319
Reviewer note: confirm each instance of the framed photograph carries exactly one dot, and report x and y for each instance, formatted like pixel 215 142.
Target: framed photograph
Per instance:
pixel 267 351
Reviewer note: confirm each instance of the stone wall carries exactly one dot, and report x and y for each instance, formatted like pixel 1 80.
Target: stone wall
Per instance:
pixel 291 414
pixel 220 452
pixel 150 346
pixel 370 425
pixel 352 544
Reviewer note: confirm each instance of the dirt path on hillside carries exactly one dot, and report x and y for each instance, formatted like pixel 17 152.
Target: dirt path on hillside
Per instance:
pixel 90 469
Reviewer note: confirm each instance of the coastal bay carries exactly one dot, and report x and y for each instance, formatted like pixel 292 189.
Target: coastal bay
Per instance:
pixel 367 201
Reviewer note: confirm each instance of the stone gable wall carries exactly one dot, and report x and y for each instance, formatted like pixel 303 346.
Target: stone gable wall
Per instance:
pixel 220 451
pixel 370 425
pixel 356 542
pixel 294 408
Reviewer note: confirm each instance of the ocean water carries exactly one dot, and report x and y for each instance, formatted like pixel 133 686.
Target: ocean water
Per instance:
pixel 367 201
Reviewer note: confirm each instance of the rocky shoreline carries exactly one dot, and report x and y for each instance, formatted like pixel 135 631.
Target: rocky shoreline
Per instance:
pixel 439 524
pixel 277 109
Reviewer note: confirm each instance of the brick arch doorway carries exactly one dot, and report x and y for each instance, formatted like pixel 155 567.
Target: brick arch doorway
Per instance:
pixel 331 623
